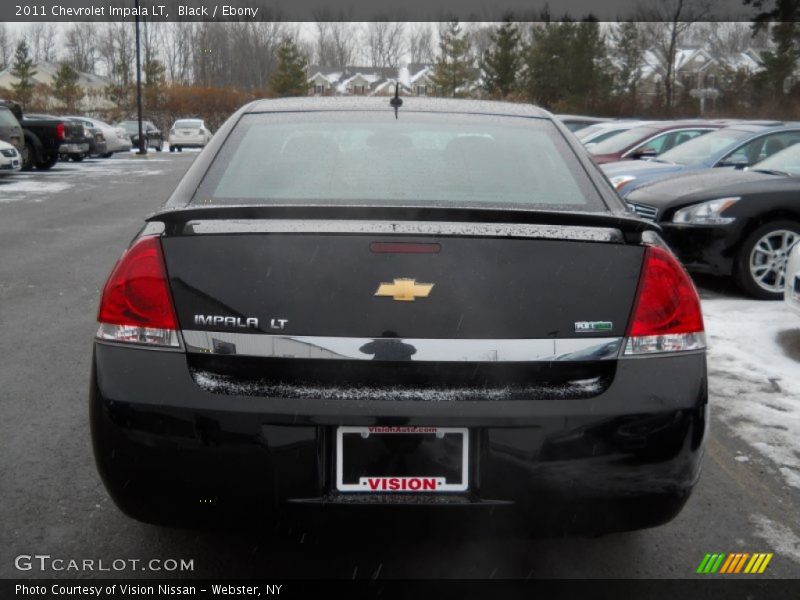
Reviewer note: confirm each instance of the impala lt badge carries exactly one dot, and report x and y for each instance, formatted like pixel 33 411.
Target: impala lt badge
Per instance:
pixel 221 321
pixel 404 290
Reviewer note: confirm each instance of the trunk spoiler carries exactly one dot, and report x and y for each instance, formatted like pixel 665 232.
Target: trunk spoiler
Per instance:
pixel 630 226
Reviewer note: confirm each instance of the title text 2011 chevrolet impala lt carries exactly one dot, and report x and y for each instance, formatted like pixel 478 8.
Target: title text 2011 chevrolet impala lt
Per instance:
pixel 345 307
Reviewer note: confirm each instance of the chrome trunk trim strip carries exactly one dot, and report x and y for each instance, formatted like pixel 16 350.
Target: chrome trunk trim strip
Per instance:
pixel 402 349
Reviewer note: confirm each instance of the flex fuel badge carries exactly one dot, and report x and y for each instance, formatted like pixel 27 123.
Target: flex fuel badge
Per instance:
pixel 593 326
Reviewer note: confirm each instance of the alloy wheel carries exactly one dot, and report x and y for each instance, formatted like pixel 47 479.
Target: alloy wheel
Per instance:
pixel 768 259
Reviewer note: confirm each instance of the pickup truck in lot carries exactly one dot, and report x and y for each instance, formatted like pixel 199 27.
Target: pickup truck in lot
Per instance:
pixel 75 142
pixel 45 137
pixel 92 138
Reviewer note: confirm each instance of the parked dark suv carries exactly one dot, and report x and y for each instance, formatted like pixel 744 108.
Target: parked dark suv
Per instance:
pixel 153 137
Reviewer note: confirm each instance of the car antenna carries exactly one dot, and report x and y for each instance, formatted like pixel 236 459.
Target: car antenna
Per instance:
pixel 396 102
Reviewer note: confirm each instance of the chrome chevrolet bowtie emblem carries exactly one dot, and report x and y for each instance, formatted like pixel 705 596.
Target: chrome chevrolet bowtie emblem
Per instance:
pixel 404 290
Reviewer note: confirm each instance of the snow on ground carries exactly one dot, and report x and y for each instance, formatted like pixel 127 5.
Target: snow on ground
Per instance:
pixel 39 186
pixel 782 540
pixel 15 189
pixel 754 376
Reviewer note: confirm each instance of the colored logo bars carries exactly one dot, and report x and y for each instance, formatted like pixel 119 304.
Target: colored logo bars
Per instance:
pixel 738 562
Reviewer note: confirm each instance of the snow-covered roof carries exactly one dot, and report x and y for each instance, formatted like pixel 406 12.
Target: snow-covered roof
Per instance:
pixel 46 73
pixel 331 77
pixel 418 72
pixel 743 61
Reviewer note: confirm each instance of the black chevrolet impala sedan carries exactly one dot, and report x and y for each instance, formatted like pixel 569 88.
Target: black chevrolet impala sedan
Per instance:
pixel 351 308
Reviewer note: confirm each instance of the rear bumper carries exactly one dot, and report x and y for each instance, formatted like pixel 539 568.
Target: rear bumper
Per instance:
pixel 195 141
pixel 97 148
pixel 119 145
pixel 157 431
pixel 69 148
pixel 701 249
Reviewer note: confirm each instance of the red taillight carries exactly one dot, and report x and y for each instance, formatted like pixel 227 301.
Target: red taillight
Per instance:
pixel 667 315
pixel 60 131
pixel 136 305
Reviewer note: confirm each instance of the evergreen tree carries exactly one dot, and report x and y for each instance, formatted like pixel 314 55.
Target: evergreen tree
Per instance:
pixel 154 80
pixel 567 66
pixel 546 61
pixel 782 19
pixel 628 55
pixel 22 69
pixel 453 72
pixel 501 63
pixel 66 89
pixel 591 77
pixel 290 78
pixel 780 63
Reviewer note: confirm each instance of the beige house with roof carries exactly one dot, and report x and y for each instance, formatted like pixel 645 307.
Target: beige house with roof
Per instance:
pixel 94 86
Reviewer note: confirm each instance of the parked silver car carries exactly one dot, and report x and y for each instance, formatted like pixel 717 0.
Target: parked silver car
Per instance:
pixel 188 133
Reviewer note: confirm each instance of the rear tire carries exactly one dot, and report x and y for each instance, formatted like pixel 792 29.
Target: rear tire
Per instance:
pixel 108 155
pixel 171 148
pixel 28 154
pixel 760 268
pixel 47 163
pixel 160 146
pixel 78 157
pixel 180 148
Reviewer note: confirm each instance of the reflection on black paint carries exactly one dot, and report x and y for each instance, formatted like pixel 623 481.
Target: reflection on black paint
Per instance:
pixel 388 348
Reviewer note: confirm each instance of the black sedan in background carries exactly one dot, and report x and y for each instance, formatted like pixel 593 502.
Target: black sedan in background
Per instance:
pixel 725 222
pixel 153 138
pixel 442 309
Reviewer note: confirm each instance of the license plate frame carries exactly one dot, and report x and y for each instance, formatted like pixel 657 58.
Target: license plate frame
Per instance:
pixel 408 483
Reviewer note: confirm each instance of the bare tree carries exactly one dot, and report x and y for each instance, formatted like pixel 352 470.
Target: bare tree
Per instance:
pixel 421 45
pixel 212 54
pixel 725 38
pixel 150 35
pixel 324 54
pixel 336 40
pixel 480 37
pixel 344 41
pixel 6 46
pixel 668 23
pixel 41 37
pixel 80 44
pixel 178 47
pixel 385 42
pixel 116 50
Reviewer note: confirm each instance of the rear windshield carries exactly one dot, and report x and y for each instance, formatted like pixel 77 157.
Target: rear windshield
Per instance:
pixel 371 157
pixel 623 141
pixel 188 124
pixel 786 161
pixel 589 131
pixel 7 118
pixel 701 148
